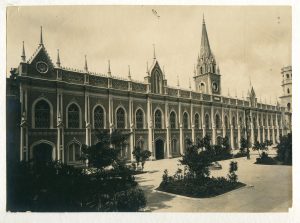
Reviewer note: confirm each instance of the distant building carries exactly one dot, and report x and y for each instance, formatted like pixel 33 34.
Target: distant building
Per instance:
pixel 60 108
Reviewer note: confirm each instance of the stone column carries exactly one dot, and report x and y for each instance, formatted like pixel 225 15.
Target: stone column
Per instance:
pixel 24 155
pixel 213 126
pixel 269 126
pixel 181 140
pixel 110 113
pixel 223 124
pixel 277 129
pixel 258 128
pixel 231 130
pixel 252 128
pixel 192 124
pixel 203 122
pixel 150 126
pixel 168 138
pixel 239 128
pixel 131 124
pixel 87 119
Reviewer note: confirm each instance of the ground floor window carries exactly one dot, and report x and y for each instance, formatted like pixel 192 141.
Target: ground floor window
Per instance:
pixel 74 152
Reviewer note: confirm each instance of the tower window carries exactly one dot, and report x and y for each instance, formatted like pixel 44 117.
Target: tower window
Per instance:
pixel 287 76
pixel 288 106
pixel 288 90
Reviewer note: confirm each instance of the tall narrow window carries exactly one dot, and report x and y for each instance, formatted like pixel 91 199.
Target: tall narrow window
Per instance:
pixel 172 120
pixel 197 121
pixel 226 122
pixel 99 117
pixel 158 119
pixel 74 152
pixel 139 119
pixel 218 122
pixel 42 114
pixel 120 118
pixel 73 116
pixel 185 120
pixel 174 145
pixel 233 122
pixel 207 125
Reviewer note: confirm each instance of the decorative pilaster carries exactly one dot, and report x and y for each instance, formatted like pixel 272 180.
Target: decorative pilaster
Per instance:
pixel 181 139
pixel 277 129
pixel 231 130
pixel 202 122
pixel 110 113
pixel 258 129
pixel 168 139
pixel 252 128
pixel 60 127
pixel 131 123
pixel 223 124
pixel 213 124
pixel 192 123
pixel 239 128
pixel 150 126
pixel 87 120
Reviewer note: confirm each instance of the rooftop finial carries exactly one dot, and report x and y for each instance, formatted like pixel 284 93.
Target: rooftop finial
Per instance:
pixel 154 56
pixel 194 70
pixel 147 71
pixel 228 93
pixel 85 64
pixel 177 81
pixel 41 37
pixel 203 19
pixel 129 75
pixel 109 71
pixel 23 56
pixel 164 74
pixel 58 59
pixel 190 86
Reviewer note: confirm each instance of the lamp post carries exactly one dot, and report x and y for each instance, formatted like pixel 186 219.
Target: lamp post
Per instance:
pixel 247 114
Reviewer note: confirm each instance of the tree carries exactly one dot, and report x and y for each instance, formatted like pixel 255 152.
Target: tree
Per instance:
pixel 243 145
pixel 259 147
pixel 284 149
pixel 141 155
pixel 232 175
pixel 225 144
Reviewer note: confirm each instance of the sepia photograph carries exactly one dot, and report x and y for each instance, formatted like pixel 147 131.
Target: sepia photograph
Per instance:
pixel 149 108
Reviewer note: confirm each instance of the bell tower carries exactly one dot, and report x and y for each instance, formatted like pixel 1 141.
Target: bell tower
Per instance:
pixel 207 76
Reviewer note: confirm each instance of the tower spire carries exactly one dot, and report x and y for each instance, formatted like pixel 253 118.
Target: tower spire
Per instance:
pixel 205 50
pixel 41 37
pixel 58 59
pixel 23 56
pixel 85 64
pixel 109 71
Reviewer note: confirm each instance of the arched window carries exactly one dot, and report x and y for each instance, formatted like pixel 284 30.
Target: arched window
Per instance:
pixel 288 90
pixel 139 119
pixel 120 118
pixel 287 76
pixel 197 119
pixel 158 119
pixel 202 87
pixel 156 82
pixel 185 120
pixel 207 122
pixel 74 152
pixel 42 114
pixel 226 122
pixel 233 122
pixel 73 116
pixel 218 123
pixel 174 145
pixel 99 118
pixel 288 106
pixel 172 120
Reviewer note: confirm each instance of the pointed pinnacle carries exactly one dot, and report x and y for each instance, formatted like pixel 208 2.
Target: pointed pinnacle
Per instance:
pixel 190 83
pixel 147 71
pixel 58 59
pixel 41 37
pixel 85 64
pixel 177 81
pixel 203 19
pixel 23 56
pixel 109 71
pixel 154 55
pixel 129 75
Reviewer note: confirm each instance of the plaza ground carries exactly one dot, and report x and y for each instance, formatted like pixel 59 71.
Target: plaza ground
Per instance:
pixel 268 189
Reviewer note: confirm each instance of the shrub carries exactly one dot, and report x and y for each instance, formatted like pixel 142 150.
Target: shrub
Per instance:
pixel 284 149
pixel 232 175
pixel 243 145
pixel 141 156
pixel 265 159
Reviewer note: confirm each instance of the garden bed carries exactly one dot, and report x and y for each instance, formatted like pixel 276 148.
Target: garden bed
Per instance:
pixel 210 187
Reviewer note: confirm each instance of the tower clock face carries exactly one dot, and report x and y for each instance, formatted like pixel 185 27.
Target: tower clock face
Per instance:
pixel 42 67
pixel 215 87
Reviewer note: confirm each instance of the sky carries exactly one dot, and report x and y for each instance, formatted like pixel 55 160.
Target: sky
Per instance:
pixel 250 44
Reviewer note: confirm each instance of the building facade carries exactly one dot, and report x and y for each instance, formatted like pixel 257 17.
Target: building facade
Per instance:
pixel 61 108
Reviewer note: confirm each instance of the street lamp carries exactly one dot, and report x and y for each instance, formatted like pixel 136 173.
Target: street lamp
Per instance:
pixel 247 114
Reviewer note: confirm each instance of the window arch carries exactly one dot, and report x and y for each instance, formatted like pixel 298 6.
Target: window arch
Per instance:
pixel 42 114
pixel 73 116
pixel 218 121
pixel 99 117
pixel 74 152
pixel 185 120
pixel 139 119
pixel 233 122
pixel 172 120
pixel 120 118
pixel 197 120
pixel 207 121
pixel 202 87
pixel 226 122
pixel 158 119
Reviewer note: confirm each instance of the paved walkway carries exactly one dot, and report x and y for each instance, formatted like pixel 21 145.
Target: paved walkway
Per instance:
pixel 269 189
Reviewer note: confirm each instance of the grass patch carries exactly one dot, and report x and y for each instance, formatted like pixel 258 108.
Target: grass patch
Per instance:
pixel 208 187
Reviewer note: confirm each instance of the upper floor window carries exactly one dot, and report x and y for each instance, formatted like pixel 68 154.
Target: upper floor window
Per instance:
pixel 139 119
pixel 120 118
pixel 42 114
pixel 207 125
pixel 185 120
pixel 197 119
pixel 158 119
pixel 73 116
pixel 218 122
pixel 172 120
pixel 99 117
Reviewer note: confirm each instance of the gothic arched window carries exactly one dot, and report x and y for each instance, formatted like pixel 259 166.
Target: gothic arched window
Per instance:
pixel 73 116
pixel 197 119
pixel 99 117
pixel 207 122
pixel 172 120
pixel 120 118
pixel 218 122
pixel 42 114
pixel 185 120
pixel 158 119
pixel 139 119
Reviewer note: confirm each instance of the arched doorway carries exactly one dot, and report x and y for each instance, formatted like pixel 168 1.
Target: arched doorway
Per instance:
pixel 42 153
pixel 159 149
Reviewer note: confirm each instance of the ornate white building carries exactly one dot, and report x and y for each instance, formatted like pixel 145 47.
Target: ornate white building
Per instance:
pixel 60 108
